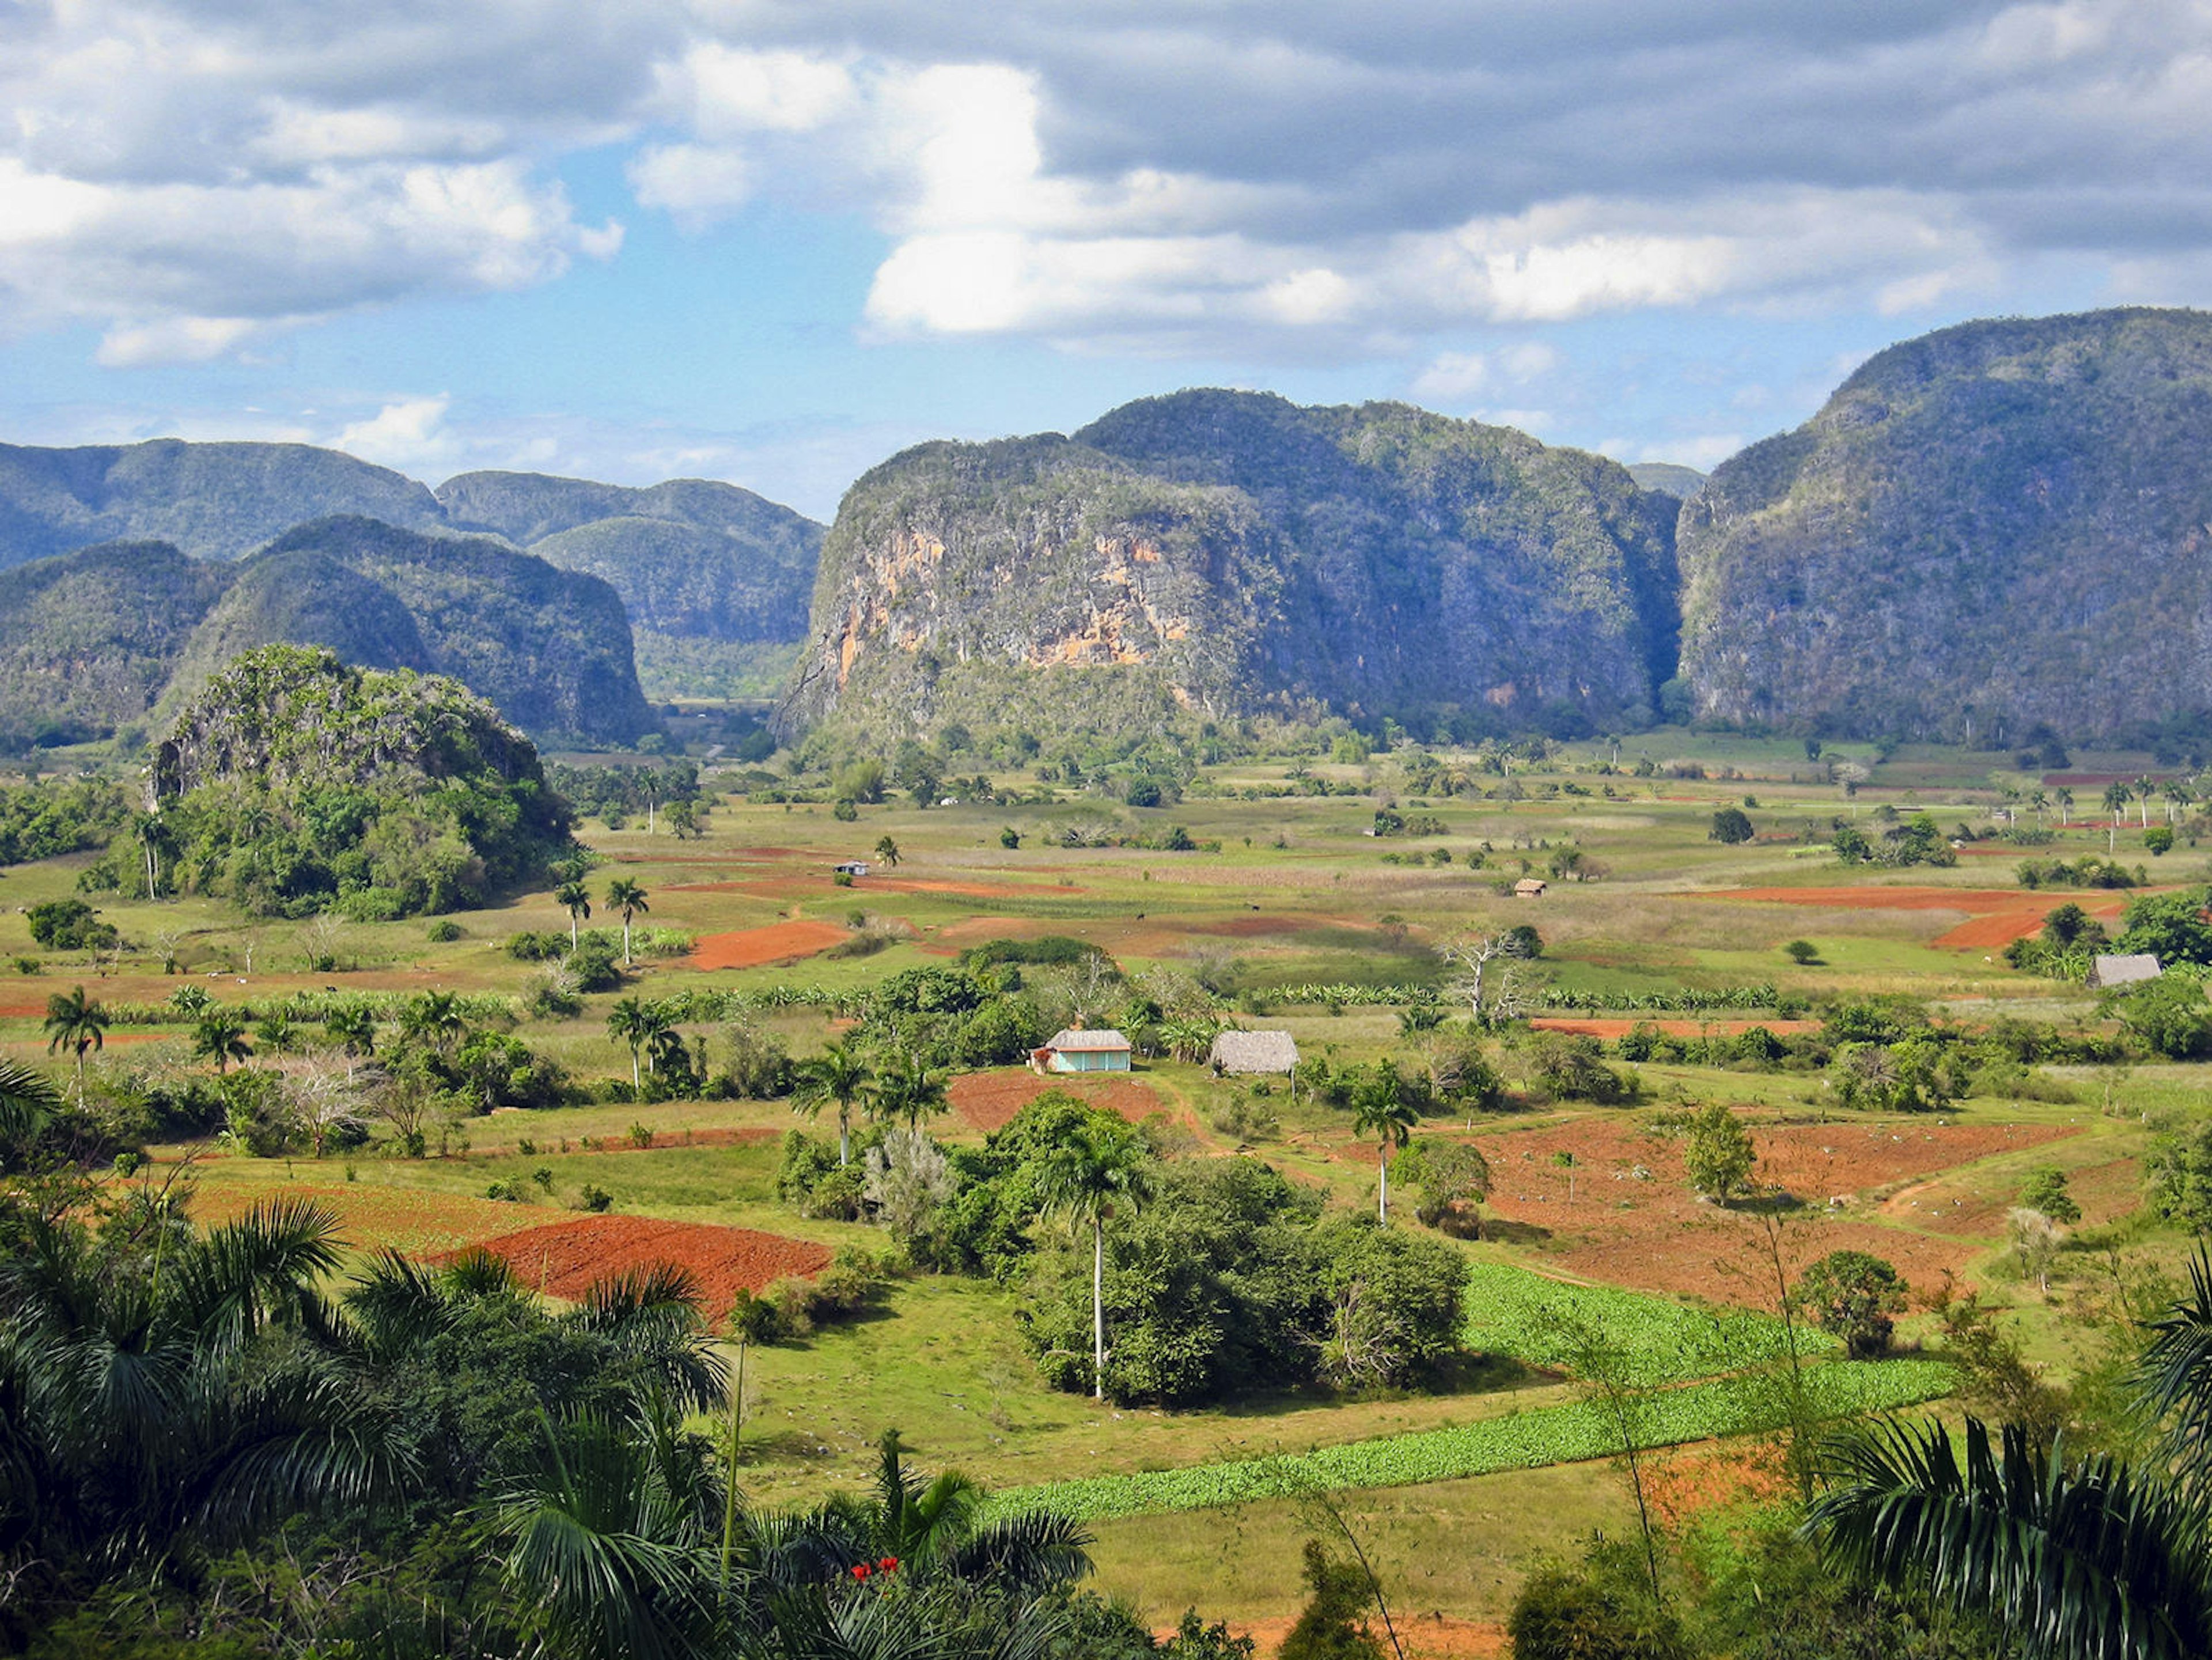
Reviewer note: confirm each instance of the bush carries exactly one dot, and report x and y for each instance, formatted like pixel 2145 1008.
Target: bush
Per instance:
pixel 71 925
pixel 443 932
pixel 1851 1295
pixel 1731 826
pixel 529 947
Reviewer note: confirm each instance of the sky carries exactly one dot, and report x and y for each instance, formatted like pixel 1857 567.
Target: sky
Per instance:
pixel 774 243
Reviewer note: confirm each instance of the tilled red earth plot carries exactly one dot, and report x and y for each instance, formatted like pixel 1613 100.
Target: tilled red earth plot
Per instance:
pixel 989 1100
pixel 1633 1220
pixel 567 1259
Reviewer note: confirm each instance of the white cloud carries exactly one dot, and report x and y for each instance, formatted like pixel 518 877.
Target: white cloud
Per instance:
pixel 1357 180
pixel 408 435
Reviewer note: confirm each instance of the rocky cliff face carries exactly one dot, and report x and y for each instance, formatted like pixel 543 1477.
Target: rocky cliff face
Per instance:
pixel 1226 551
pixel 1997 525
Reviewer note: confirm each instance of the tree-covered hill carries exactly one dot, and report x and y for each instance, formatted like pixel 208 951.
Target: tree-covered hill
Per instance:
pixel 1668 478
pixel 105 637
pixel 716 578
pixel 293 781
pixel 1998 526
pixel 211 500
pixel 1230 551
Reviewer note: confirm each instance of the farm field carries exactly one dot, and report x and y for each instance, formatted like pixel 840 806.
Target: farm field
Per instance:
pixel 1297 919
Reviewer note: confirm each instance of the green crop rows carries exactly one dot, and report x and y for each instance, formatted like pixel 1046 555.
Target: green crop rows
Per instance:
pixel 1524 1440
pixel 1540 1321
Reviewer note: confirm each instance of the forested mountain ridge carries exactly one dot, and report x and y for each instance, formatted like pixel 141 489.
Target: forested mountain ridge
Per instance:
pixel 713 577
pixel 1229 552
pixel 113 636
pixel 210 500
pixel 1995 526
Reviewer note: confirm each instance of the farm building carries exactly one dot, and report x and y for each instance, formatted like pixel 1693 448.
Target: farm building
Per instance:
pixel 1082 1051
pixel 1253 1051
pixel 853 868
pixel 1529 887
pixel 2109 971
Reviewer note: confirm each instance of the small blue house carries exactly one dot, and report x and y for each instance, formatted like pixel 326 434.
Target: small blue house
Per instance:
pixel 1082 1051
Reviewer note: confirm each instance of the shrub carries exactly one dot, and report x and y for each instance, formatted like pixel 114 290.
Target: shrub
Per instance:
pixel 2045 1191
pixel 1731 825
pixel 443 932
pixel 1717 1156
pixel 1803 953
pixel 1851 1295
pixel 595 1198
pixel 71 925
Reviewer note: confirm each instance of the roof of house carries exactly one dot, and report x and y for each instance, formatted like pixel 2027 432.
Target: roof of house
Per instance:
pixel 2123 970
pixel 1253 1051
pixel 1107 1039
pixel 1528 885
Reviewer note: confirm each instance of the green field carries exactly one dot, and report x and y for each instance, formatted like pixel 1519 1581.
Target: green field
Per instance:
pixel 1296 895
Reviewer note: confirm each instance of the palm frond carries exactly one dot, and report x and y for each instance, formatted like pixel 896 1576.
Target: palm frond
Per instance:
pixel 28 1100
pixel 231 1281
pixel 1030 1554
pixel 2174 1376
pixel 396 1305
pixel 478 1274
pixel 2084 1560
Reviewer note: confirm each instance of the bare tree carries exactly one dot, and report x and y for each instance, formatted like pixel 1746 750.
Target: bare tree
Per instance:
pixel 1470 955
pixel 329 1092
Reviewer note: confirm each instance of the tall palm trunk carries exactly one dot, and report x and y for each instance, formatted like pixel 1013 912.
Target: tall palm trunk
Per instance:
pixel 1383 1186
pixel 1097 1305
pixel 844 1133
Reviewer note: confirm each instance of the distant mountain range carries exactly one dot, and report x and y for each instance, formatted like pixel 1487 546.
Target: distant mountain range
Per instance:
pixel 1995 529
pixel 715 580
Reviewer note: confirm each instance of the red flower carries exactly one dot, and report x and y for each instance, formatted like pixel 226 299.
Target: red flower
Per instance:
pixel 860 1569
pixel 888 1564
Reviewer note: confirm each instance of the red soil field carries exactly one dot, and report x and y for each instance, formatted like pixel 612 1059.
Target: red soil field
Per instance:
pixel 1610 1028
pixel 1654 1234
pixel 1999 929
pixel 1683 1481
pixel 567 1259
pixel 989 1100
pixel 748 948
pixel 1975 902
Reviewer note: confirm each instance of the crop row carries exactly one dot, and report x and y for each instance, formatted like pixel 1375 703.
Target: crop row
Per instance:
pixel 1521 1440
pixel 1649 1340
pixel 1682 999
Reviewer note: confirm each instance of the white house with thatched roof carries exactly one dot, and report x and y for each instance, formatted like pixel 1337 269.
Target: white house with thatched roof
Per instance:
pixel 1253 1051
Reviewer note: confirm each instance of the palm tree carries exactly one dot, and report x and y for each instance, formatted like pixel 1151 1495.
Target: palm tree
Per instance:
pixel 220 1037
pixel 576 899
pixel 2064 797
pixel 75 1022
pixel 353 1030
pixel 1094 1169
pixel 2177 796
pixel 155 1406
pixel 433 1017
pixel 905 1088
pixel 626 896
pixel 2041 800
pixel 839 1073
pixel 2088 1559
pixel 2144 789
pixel 28 1102
pixel 888 851
pixel 636 1022
pixel 1381 1110
pixel 2117 797
pixel 275 1034
pixel 932 1529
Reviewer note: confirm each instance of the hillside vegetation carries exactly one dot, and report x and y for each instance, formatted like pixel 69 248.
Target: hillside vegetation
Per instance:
pixel 106 638
pixel 716 577
pixel 1224 553
pixel 293 782
pixel 1996 526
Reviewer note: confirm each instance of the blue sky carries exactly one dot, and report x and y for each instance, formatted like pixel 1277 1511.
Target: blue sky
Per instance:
pixel 773 243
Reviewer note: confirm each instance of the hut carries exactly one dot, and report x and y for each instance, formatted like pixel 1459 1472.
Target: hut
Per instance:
pixel 1529 887
pixel 2105 972
pixel 1253 1051
pixel 853 868
pixel 1082 1051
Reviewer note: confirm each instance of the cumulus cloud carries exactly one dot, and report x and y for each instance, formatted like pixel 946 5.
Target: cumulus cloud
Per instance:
pixel 1292 178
